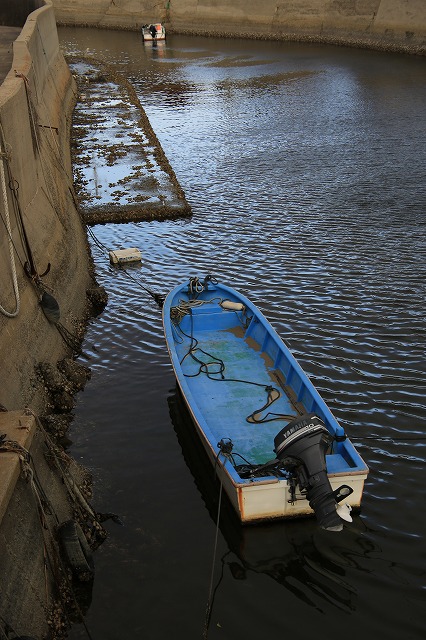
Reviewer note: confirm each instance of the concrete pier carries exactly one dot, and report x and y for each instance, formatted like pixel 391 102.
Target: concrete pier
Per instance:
pixel 123 174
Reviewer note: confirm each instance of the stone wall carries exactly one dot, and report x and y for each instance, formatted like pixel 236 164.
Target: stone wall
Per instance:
pixel 389 24
pixel 36 102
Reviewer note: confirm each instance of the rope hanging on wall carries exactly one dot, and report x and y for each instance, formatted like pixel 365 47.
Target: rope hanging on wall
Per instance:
pixel 6 221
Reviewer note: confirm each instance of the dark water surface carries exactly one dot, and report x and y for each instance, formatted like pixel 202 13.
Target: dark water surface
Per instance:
pixel 305 169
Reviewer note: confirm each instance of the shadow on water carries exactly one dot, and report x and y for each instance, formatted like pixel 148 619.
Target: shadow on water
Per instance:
pixel 308 561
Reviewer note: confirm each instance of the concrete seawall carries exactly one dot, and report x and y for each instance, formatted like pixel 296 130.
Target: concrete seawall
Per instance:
pixel 36 102
pixel 392 25
pixel 43 252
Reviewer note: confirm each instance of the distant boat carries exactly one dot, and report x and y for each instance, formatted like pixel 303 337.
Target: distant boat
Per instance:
pixel 272 440
pixel 151 32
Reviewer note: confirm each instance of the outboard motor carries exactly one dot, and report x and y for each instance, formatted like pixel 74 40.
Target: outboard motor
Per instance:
pixel 306 440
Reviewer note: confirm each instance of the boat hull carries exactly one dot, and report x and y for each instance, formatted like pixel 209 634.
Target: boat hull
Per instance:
pixel 270 499
pixel 219 406
pixel 160 33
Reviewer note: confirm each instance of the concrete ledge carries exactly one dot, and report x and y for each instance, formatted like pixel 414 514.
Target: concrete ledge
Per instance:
pixel 362 41
pixel 123 173
pixel 19 428
pixel 36 102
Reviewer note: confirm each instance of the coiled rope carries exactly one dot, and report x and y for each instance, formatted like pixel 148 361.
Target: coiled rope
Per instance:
pixel 214 368
pixel 8 314
pixel 184 307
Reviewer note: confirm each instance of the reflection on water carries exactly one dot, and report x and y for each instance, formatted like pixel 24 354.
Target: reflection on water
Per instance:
pixel 290 553
pixel 304 169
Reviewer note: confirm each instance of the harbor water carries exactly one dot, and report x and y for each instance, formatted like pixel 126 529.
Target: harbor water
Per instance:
pixel 304 166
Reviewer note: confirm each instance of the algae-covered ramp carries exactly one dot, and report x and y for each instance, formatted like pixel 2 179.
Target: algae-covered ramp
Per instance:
pixel 121 171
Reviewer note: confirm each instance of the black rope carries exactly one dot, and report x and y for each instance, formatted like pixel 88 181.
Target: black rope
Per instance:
pixel 204 365
pixel 98 243
pixel 212 592
pixel 30 266
pixel 204 368
pixel 158 297
pixel 51 310
pixel 277 416
pixel 249 469
pixel 71 340
pixel 196 286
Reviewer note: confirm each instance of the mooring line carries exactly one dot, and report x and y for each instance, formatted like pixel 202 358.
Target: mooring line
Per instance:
pixel 210 598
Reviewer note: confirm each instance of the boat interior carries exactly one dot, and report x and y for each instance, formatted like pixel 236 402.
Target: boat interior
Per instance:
pixel 245 385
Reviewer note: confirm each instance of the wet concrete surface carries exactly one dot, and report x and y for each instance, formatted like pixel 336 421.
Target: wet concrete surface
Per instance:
pixel 121 172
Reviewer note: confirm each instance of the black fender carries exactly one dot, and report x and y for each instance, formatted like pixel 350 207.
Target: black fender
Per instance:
pixel 76 551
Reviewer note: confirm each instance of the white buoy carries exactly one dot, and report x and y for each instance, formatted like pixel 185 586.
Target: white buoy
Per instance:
pixel 232 306
pixel 121 256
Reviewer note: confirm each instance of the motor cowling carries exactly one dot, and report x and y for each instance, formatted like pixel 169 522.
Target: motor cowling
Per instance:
pixel 306 440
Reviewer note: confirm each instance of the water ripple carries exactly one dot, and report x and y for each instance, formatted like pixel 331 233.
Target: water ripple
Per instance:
pixel 308 195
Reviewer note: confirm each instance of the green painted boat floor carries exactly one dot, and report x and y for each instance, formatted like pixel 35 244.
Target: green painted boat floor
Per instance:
pixel 225 404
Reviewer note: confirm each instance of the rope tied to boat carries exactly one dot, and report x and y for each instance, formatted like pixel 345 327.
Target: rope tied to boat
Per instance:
pixel 157 297
pixel 225 446
pixel 196 286
pixel 275 466
pixel 209 605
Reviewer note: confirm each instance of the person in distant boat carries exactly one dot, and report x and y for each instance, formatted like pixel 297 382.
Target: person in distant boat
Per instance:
pixel 153 31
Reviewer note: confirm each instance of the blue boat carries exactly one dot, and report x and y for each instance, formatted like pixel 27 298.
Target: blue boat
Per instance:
pixel 275 446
